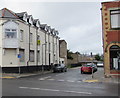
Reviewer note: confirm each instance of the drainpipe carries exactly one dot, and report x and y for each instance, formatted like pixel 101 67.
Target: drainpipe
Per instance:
pixel 45 47
pixel 56 51
pixel 28 49
pixel 53 50
pixel 37 47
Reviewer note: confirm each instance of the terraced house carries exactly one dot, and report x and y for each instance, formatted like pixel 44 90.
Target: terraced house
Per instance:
pixel 25 43
pixel 111 37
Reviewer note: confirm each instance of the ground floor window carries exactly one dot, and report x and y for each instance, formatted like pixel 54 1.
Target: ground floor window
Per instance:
pixel 22 55
pixel 32 56
pixel 38 56
pixel 115 57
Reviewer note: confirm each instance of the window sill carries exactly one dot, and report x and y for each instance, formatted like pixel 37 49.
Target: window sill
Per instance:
pixel 115 29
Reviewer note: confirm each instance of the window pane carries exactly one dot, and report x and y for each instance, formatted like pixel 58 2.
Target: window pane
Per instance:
pixel 38 56
pixel 22 55
pixel 31 37
pixel 10 33
pixel 21 35
pixel 31 55
pixel 115 19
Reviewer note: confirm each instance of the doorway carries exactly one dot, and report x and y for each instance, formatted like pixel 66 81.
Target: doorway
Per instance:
pixel 114 57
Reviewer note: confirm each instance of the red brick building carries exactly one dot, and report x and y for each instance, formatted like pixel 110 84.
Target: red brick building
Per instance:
pixel 111 37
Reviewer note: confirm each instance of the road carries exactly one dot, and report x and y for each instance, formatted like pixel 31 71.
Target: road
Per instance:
pixel 58 84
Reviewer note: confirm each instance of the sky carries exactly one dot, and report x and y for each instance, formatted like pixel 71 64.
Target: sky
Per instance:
pixel 78 21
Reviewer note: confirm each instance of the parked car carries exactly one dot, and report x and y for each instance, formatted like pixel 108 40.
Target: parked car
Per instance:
pixel 59 68
pixel 88 68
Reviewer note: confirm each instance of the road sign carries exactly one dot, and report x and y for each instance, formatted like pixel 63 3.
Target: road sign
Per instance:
pixel 19 56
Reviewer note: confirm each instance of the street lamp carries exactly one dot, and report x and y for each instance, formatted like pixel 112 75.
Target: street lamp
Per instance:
pixel 42 57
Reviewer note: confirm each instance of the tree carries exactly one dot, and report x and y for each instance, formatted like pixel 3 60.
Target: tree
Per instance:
pixel 69 54
pixel 97 57
pixel 77 52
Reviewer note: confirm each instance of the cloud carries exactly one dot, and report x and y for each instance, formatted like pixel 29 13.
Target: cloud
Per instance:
pixel 84 38
pixel 78 23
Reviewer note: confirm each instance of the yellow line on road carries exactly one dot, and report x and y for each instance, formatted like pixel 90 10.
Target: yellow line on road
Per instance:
pixel 91 81
pixel 7 77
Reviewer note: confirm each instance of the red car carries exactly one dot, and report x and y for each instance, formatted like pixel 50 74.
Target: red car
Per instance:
pixel 87 68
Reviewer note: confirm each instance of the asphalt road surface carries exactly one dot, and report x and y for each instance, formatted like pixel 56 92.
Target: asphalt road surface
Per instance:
pixel 58 84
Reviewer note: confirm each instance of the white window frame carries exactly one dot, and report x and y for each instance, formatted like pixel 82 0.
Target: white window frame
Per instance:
pixel 38 55
pixel 31 37
pixel 32 56
pixel 21 35
pixel 115 19
pixel 22 54
pixel 10 31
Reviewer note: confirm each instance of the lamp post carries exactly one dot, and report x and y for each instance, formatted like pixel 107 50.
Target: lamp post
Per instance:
pixel 42 58
pixel 92 64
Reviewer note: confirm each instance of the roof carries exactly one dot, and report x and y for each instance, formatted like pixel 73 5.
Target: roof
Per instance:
pixel 7 13
pixel 60 41
pixel 42 26
pixel 109 1
pixel 20 14
pixel 35 21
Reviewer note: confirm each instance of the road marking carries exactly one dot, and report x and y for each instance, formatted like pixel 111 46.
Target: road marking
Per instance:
pixel 60 80
pixel 44 78
pixel 90 81
pixel 78 92
pixel 79 81
pixel 47 77
pixel 7 77
pixel 41 79
pixel 55 90
pixel 70 81
pixel 51 79
pixel 59 74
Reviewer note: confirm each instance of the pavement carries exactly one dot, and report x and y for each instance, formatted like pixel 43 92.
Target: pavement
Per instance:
pixel 96 77
pixel 100 77
pixel 22 75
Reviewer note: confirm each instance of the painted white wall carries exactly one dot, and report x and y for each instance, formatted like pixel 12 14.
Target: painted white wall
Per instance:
pixel 10 42
pixel 0 43
pixel 10 56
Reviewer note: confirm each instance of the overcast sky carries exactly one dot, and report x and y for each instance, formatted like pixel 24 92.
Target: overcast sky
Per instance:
pixel 79 23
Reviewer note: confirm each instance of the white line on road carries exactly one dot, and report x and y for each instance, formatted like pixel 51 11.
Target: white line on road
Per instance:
pixel 51 79
pixel 66 91
pixel 59 74
pixel 60 80
pixel 47 77
pixel 78 92
pixel 44 78
pixel 41 79
pixel 70 81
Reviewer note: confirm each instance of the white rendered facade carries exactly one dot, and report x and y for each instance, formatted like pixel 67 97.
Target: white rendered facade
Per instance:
pixel 19 43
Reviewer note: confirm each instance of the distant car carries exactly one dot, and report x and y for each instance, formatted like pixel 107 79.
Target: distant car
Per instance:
pixel 87 68
pixel 100 64
pixel 59 68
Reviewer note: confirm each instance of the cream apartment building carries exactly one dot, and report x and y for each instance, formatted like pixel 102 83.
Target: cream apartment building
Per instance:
pixel 25 43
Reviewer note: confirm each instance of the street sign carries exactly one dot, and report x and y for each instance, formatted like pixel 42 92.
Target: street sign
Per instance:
pixel 19 56
pixel 38 42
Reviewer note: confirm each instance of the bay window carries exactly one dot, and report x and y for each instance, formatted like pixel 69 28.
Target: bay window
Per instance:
pixel 10 33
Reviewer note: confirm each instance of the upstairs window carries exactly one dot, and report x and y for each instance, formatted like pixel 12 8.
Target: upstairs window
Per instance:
pixel 115 19
pixel 22 54
pixel 31 37
pixel 21 35
pixel 10 33
pixel 31 55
